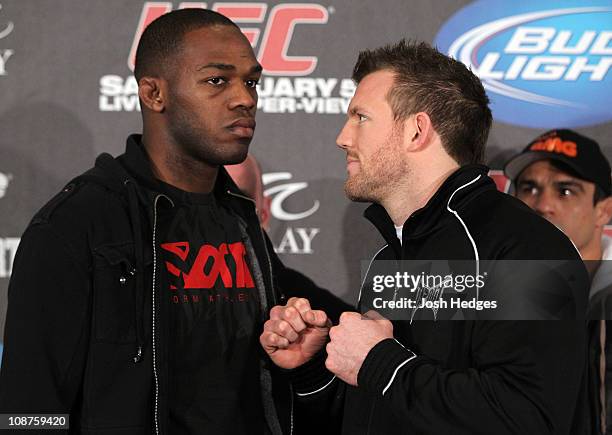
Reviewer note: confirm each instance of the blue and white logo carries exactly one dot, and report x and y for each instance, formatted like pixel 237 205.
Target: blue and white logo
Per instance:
pixel 544 64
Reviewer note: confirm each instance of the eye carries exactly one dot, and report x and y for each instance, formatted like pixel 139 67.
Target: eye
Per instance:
pixel 361 118
pixel 528 190
pixel 564 191
pixel 252 83
pixel 216 81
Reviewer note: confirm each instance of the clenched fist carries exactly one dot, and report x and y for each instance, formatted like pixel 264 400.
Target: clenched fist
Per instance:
pixel 294 333
pixel 352 339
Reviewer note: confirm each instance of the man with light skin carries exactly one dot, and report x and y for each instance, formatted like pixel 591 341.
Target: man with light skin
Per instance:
pixel 564 177
pixel 247 176
pixel 414 139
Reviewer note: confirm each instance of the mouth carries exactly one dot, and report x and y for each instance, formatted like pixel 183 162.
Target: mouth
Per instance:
pixel 243 127
pixel 351 164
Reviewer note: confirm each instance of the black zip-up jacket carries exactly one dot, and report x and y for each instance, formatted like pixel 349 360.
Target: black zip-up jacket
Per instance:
pixel 464 376
pixel 87 331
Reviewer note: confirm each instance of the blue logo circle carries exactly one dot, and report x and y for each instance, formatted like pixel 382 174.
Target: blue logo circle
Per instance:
pixel 543 64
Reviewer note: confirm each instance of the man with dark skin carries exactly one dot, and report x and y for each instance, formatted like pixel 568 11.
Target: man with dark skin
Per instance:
pixel 205 116
pixel 146 315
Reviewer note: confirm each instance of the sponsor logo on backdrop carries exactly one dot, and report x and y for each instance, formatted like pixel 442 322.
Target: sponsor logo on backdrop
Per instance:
pixel 5 53
pixel 5 179
pixel 295 240
pixel 286 86
pixel 8 249
pixel 543 64
pixel 8 245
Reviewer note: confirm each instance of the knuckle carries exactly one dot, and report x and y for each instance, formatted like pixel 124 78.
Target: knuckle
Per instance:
pixel 345 317
pixel 302 303
pixel 283 326
pixel 289 312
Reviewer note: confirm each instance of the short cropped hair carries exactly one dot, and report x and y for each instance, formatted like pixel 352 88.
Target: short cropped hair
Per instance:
pixel 162 39
pixel 428 81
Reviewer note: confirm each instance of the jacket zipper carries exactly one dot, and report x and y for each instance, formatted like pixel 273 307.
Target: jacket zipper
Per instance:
pixel 153 336
pixel 291 415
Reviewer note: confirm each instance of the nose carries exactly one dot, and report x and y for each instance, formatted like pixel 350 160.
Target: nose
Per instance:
pixel 545 203
pixel 243 96
pixel 344 140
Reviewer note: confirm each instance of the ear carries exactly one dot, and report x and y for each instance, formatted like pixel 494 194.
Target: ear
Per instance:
pixel 265 213
pixel 603 212
pixel 152 93
pixel 418 130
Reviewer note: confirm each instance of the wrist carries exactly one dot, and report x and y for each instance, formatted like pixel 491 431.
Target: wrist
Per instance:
pixel 381 365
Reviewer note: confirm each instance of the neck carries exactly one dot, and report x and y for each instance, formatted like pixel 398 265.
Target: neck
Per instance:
pixel 413 195
pixel 592 253
pixel 172 166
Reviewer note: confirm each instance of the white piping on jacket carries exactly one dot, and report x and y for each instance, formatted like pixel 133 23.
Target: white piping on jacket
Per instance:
pixel 316 391
pixel 469 235
pixel 366 274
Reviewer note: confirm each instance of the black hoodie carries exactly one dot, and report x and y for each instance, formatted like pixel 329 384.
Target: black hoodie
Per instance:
pixel 87 331
pixel 464 377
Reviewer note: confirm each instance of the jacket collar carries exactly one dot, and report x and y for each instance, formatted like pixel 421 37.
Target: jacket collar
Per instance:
pixel 137 163
pixel 456 191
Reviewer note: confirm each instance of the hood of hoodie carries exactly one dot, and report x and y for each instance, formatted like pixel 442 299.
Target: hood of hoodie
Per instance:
pixel 137 163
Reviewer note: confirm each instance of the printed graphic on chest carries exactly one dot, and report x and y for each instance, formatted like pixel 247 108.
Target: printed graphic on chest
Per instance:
pixel 220 268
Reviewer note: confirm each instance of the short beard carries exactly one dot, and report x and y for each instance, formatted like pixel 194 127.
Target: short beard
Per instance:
pixel 381 174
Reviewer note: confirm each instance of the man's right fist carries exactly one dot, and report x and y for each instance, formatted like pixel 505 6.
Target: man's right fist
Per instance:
pixel 294 333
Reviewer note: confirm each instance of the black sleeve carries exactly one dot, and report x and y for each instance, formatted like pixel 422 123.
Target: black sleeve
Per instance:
pixel 319 397
pixel 47 326
pixel 511 386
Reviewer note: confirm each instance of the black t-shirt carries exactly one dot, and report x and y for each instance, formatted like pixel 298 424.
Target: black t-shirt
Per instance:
pixel 215 320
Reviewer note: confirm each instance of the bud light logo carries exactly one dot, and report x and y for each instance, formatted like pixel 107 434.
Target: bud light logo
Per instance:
pixel 543 64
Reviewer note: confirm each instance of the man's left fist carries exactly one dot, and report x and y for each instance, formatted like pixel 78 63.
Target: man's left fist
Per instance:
pixel 352 339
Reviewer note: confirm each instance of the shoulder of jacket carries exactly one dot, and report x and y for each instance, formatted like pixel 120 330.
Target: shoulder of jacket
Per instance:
pixel 81 193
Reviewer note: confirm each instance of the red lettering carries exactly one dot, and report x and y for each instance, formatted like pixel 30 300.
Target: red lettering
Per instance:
pixel 180 249
pixel 277 37
pixel 150 11
pixel 244 13
pixel 243 274
pixel 197 278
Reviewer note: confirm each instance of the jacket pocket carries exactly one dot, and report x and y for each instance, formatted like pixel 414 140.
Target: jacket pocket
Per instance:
pixel 114 293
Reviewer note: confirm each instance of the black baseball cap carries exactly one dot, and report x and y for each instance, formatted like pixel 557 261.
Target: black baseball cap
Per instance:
pixel 579 153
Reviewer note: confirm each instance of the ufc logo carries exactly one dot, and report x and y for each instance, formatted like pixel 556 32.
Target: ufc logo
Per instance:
pixel 196 277
pixel 276 38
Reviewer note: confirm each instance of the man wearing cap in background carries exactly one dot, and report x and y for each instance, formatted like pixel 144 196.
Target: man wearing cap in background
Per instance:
pixel 564 177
